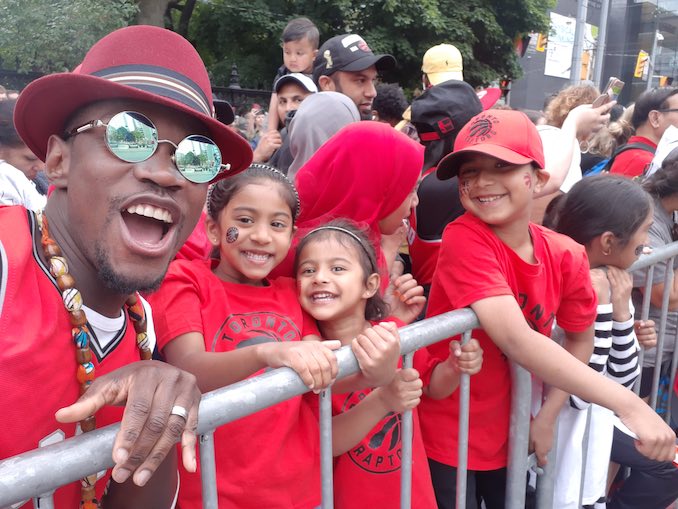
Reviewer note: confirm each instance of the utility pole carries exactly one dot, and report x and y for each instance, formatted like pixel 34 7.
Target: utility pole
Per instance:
pixel 602 42
pixel 580 28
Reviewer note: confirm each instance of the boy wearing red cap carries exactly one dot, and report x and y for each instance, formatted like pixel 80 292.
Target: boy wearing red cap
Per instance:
pixel 518 278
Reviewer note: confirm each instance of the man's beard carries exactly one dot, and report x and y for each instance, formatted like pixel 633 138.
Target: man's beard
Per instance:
pixel 119 283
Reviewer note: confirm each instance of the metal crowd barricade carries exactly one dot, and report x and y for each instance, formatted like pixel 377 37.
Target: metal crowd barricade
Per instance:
pixel 32 474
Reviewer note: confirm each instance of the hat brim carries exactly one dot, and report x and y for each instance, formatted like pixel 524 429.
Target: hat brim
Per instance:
pixel 381 62
pixel 436 78
pixel 449 165
pixel 489 97
pixel 287 78
pixel 47 103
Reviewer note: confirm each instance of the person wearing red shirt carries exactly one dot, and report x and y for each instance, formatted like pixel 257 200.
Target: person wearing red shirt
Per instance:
pixel 338 285
pixel 654 111
pixel 518 278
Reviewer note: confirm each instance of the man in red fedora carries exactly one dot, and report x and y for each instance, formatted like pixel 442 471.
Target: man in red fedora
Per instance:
pixel 130 145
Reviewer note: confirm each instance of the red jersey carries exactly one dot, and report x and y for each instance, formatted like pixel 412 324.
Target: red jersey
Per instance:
pixel 633 162
pixel 37 357
pixel 271 458
pixel 368 475
pixel 476 264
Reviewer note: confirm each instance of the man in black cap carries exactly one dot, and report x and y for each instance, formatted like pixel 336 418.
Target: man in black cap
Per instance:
pixel 346 64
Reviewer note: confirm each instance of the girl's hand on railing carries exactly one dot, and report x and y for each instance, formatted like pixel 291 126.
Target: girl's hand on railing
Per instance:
pixel 542 432
pixel 404 391
pixel 601 285
pixel 314 361
pixel 150 391
pixel 405 297
pixel 621 284
pixel 377 350
pixel 646 333
pixel 466 359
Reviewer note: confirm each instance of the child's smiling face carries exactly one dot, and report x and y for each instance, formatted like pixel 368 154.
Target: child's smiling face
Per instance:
pixel 495 191
pixel 332 282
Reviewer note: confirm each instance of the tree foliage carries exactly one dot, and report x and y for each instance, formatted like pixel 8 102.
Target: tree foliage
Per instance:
pixel 54 35
pixel 228 32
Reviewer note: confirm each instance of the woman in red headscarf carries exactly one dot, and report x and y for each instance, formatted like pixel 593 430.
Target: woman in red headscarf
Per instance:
pixel 367 173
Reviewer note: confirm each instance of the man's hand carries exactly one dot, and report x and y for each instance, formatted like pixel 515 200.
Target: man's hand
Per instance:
pixel 269 142
pixel 149 390
pixel 646 333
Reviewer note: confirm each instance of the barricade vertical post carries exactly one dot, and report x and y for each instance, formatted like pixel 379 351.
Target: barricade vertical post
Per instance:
pixel 464 402
pixel 326 458
pixel 208 471
pixel 668 282
pixel 547 480
pixel 45 501
pixel 519 435
pixel 406 449
pixel 644 315
pixel 672 382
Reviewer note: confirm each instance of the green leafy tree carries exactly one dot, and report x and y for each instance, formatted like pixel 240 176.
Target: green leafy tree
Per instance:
pixel 54 35
pixel 228 32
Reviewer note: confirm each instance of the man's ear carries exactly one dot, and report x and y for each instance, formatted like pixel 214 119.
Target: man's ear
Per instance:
pixel 653 118
pixel 372 285
pixel 57 161
pixel 325 83
pixel 543 177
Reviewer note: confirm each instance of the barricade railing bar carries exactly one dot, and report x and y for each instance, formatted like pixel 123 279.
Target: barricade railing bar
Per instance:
pixel 32 473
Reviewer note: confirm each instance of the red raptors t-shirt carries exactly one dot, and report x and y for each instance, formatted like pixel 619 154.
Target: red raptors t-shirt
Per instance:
pixel 271 458
pixel 37 355
pixel 368 476
pixel 474 264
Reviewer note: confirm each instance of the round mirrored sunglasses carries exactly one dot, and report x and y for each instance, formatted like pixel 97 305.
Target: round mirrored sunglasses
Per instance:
pixel 133 138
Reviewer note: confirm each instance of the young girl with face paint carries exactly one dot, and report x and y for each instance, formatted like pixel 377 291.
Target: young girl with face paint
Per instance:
pixel 223 320
pixel 338 282
pixel 368 173
pixel 611 217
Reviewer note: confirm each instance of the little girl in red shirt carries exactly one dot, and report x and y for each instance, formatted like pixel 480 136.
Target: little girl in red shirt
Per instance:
pixel 224 321
pixel 338 281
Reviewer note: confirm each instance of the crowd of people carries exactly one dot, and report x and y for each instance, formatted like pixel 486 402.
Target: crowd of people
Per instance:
pixel 173 254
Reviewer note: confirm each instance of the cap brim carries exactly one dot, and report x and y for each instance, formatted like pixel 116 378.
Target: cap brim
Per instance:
pixel 224 111
pixel 489 97
pixel 45 105
pixel 449 165
pixel 287 78
pixel 381 62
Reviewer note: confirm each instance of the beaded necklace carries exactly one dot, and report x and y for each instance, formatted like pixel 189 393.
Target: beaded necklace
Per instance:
pixel 81 334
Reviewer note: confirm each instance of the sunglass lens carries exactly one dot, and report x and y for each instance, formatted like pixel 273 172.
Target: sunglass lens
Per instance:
pixel 198 158
pixel 131 136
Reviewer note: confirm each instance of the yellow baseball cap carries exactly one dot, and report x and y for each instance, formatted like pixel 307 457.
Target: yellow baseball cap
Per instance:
pixel 443 63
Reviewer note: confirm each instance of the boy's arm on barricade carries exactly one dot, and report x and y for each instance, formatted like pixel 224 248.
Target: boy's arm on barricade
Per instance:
pixel 350 427
pixel 504 322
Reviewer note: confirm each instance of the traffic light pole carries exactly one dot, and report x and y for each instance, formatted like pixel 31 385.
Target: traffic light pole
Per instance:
pixel 651 58
pixel 602 42
pixel 580 28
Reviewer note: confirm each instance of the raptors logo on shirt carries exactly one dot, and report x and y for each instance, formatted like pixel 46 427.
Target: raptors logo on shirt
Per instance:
pixel 380 451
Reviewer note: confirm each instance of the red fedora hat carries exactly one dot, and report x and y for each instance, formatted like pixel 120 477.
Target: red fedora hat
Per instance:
pixel 138 62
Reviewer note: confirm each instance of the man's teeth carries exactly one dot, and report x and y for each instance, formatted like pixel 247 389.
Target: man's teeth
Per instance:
pixel 151 211
pixel 487 199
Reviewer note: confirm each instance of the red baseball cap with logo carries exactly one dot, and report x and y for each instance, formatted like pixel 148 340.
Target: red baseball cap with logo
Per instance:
pixel 505 134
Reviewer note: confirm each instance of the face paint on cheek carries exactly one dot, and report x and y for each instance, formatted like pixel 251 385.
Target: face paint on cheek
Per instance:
pixel 232 234
pixel 639 250
pixel 527 178
pixel 465 187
